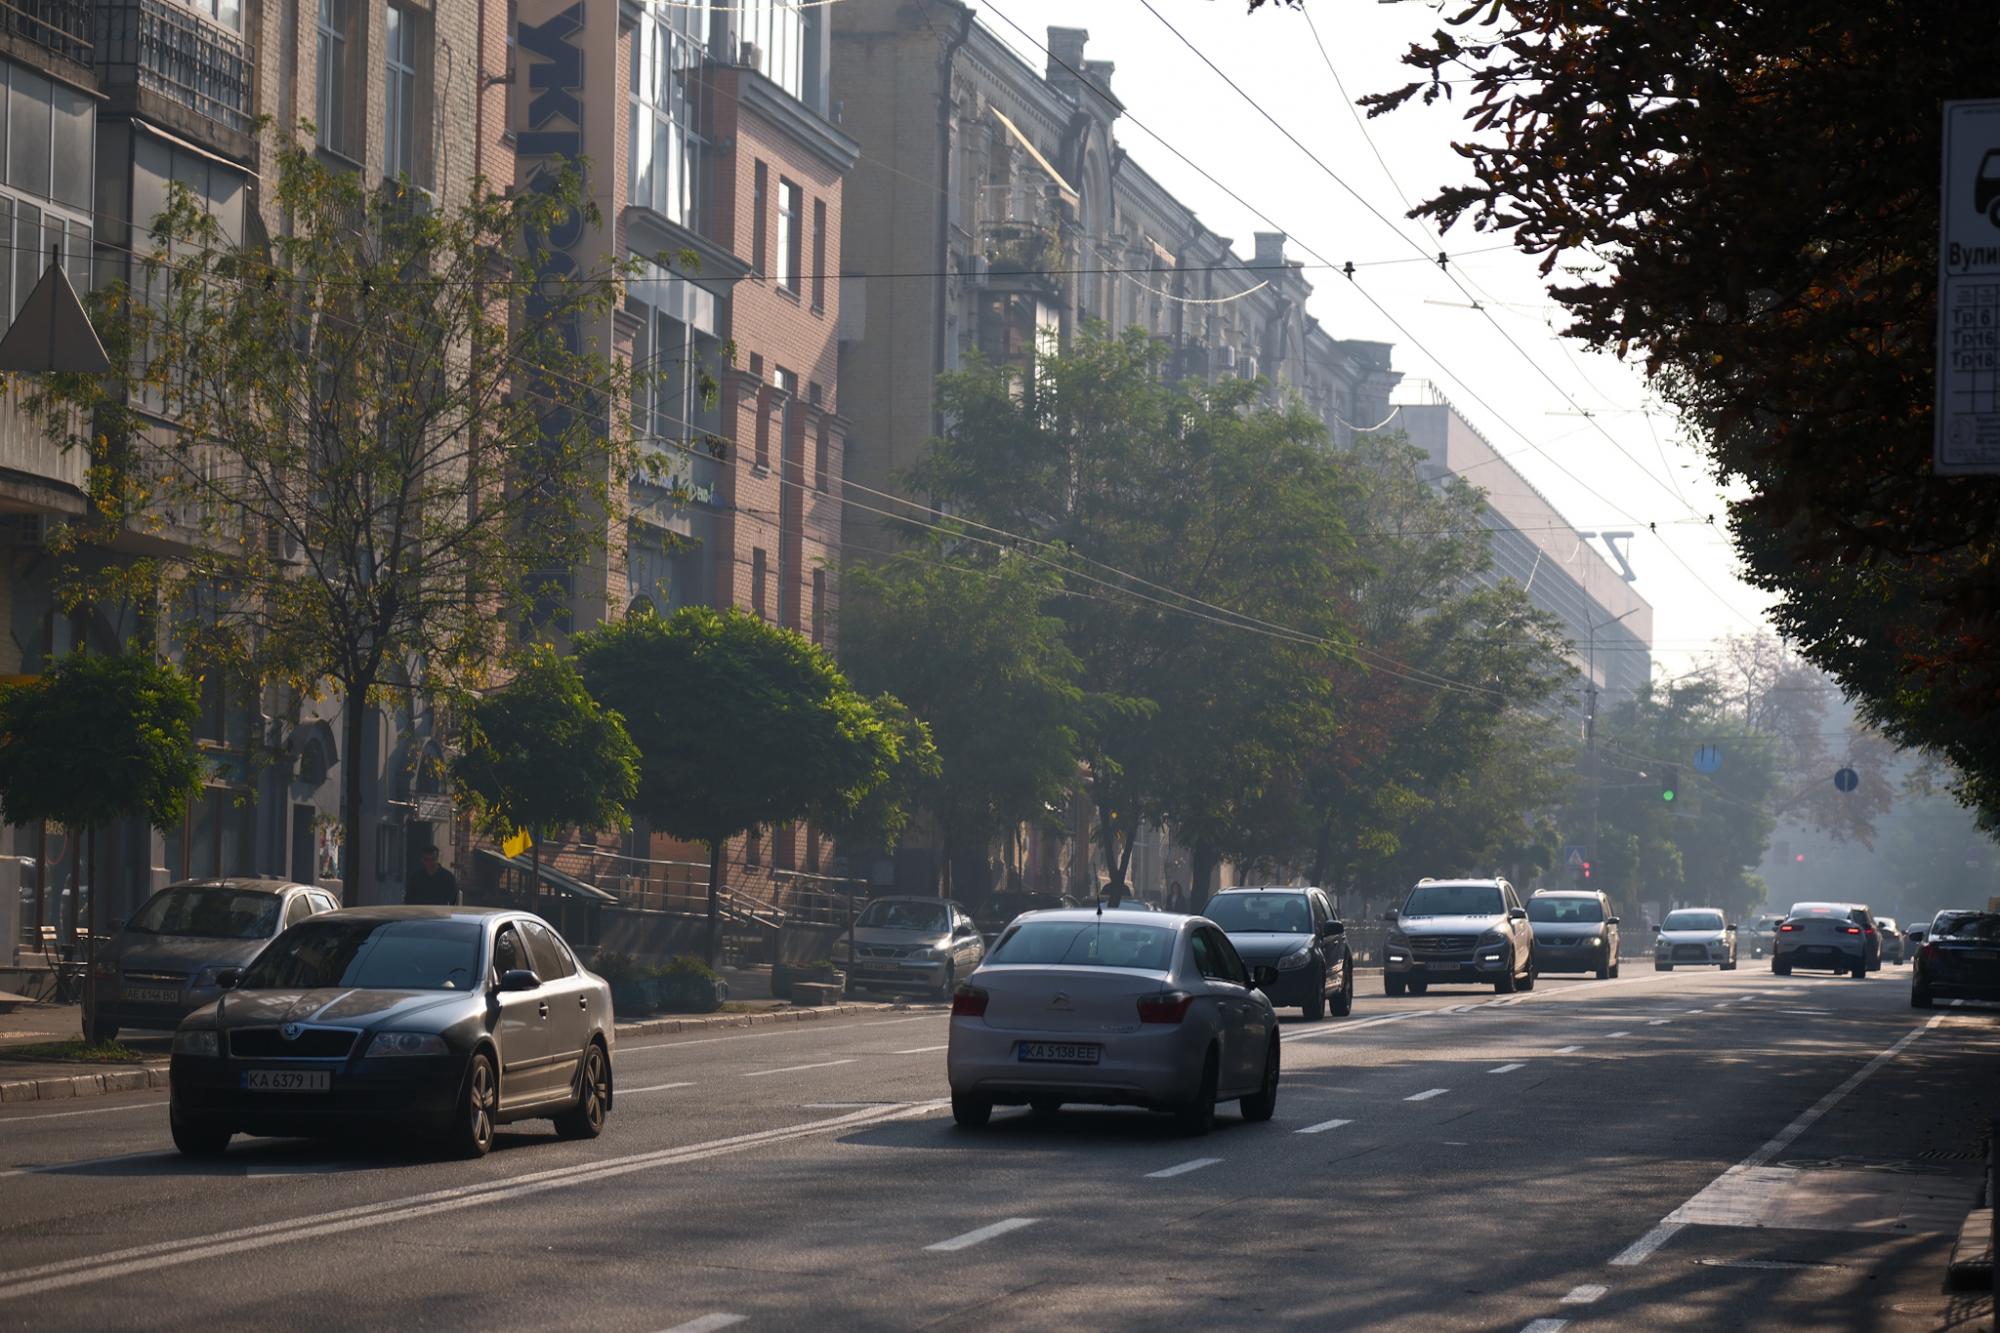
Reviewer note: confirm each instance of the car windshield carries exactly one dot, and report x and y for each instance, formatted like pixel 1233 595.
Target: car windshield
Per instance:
pixel 1967 925
pixel 208 913
pixel 1453 900
pixel 369 955
pixel 890 915
pixel 1278 913
pixel 1087 944
pixel 1692 921
pixel 1565 910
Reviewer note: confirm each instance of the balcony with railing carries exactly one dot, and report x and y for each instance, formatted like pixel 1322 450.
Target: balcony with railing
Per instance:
pixel 160 58
pixel 60 27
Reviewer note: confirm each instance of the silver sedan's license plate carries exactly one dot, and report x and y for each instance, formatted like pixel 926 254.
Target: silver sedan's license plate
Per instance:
pixel 1057 1053
pixel 150 995
pixel 287 1080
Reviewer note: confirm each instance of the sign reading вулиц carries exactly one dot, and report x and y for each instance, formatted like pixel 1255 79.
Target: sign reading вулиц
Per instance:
pixel 1968 358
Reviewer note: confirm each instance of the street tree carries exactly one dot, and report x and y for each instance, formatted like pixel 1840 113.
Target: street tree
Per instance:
pixel 98 738
pixel 880 818
pixel 739 724
pixel 1744 200
pixel 974 648
pixel 539 754
pixel 366 442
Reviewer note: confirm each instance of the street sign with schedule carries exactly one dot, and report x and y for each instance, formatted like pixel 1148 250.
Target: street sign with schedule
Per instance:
pixel 1968 356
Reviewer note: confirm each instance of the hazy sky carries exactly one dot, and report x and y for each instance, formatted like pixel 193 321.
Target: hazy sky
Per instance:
pixel 1641 471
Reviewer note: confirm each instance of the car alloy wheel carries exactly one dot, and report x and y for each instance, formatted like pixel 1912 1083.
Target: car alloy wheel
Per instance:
pixel 473 1136
pixel 593 1097
pixel 1343 1002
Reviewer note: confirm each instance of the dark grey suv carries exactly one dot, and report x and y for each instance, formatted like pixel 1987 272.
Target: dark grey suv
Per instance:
pixel 1297 933
pixel 1574 932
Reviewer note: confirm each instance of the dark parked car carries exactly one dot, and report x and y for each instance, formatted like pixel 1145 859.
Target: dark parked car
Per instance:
pixel 1574 931
pixel 1297 933
pixel 163 965
pixel 429 1019
pixel 1960 957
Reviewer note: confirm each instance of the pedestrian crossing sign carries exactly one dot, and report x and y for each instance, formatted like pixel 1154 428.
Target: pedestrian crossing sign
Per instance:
pixel 1573 858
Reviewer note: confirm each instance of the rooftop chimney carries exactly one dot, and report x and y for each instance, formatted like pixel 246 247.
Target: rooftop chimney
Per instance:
pixel 1066 56
pixel 1099 72
pixel 1270 249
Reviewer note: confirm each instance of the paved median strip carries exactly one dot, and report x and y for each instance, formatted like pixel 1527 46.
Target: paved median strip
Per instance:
pixel 972 1238
pixel 1182 1168
pixel 1322 1127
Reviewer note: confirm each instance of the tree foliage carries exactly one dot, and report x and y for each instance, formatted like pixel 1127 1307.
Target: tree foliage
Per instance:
pixel 1745 200
pixel 540 754
pixel 361 450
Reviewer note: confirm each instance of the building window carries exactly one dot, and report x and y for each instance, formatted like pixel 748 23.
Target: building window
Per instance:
pixel 401 114
pixel 777 28
pixel 812 851
pixel 819 255
pixel 330 108
pixel 822 451
pixel 791 201
pixel 753 850
pixel 760 184
pixel 784 853
pixel 757 582
pixel 667 147
pixel 819 606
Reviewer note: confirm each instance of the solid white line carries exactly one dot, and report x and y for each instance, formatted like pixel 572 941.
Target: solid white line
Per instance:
pixel 1638 1250
pixel 1567 1050
pixel 1626 1033
pixel 657 1087
pixel 924 1050
pixel 783 1030
pixel 155 1255
pixel 1585 1294
pixel 1506 1069
pixel 62 1115
pixel 1544 1325
pixel 1659 1022
pixel 1426 1096
pixel 1194 1164
pixel 795 1069
pixel 1322 1127
pixel 972 1238
pixel 708 1323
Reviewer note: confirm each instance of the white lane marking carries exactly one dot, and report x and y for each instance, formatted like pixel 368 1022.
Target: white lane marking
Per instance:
pixel 1426 1096
pixel 1815 1013
pixel 708 1323
pixel 1566 1050
pixel 987 1233
pixel 1322 1127
pixel 1626 1033
pixel 1182 1168
pixel 656 1087
pixel 1506 1069
pixel 788 1030
pixel 1584 1294
pixel 1769 1265
pixel 1638 1250
pixel 1696 1011
pixel 1544 1325
pixel 84 1269
pixel 1659 1022
pixel 924 1050
pixel 797 1069
pixel 63 1115
pixel 1337 1030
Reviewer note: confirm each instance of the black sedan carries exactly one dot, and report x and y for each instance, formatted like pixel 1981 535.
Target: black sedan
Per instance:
pixel 1960 957
pixel 450 1020
pixel 1295 931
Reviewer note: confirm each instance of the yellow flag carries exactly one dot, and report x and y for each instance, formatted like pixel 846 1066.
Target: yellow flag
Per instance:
pixel 517 844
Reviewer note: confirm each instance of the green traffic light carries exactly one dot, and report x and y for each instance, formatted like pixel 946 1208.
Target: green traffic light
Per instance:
pixel 1667 795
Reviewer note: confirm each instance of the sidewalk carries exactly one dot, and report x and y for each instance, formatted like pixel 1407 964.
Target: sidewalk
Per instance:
pixel 57 1080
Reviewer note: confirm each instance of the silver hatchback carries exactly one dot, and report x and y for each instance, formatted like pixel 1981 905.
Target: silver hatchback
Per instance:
pixel 1115 1008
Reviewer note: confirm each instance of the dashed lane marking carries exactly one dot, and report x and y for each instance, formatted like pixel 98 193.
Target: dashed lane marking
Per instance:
pixel 1427 1095
pixel 1506 1069
pixel 708 1323
pixel 1566 1050
pixel 1626 1033
pixel 1544 1325
pixel 1182 1168
pixel 797 1069
pixel 986 1233
pixel 1585 1294
pixel 924 1050
pixel 656 1087
pixel 1659 1022
pixel 1322 1127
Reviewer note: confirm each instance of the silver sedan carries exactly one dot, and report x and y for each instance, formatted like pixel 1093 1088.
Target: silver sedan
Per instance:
pixel 1117 1008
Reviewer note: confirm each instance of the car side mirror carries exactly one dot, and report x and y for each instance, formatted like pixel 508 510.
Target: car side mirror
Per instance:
pixel 1264 976
pixel 1333 930
pixel 1656 930
pixel 1390 916
pixel 1517 914
pixel 228 977
pixel 1610 920
pixel 519 978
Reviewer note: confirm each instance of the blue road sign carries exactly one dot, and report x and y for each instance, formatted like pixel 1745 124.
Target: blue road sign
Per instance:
pixel 1846 779
pixel 1573 857
pixel 1707 759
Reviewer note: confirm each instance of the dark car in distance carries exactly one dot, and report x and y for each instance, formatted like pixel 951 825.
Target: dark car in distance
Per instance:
pixel 438 1020
pixel 1574 931
pixel 163 965
pixel 1295 931
pixel 1959 958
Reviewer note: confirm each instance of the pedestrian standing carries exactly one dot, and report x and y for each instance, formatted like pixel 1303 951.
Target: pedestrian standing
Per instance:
pixel 432 885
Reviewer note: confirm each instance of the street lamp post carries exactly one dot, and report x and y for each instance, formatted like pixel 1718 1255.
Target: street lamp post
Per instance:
pixel 1590 723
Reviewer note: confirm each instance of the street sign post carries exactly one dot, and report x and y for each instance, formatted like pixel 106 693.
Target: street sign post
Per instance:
pixel 1573 858
pixel 1967 441
pixel 1708 759
pixel 1846 779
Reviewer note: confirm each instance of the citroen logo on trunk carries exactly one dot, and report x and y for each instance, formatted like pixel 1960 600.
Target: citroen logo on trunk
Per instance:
pixel 1061 1000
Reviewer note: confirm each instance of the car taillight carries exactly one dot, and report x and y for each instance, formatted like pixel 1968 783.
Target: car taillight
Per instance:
pixel 1854 930
pixel 968 1001
pixel 1170 1007
pixel 1930 952
pixel 1788 926
pixel 1868 930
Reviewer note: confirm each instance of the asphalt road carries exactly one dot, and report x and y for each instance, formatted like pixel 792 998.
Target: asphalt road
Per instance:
pixel 1681 1150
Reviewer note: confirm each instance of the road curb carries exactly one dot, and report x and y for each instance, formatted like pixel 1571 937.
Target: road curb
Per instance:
pixel 68 1087
pixel 1972 1256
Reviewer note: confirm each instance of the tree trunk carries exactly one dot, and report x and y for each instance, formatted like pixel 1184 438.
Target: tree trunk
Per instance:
pixel 535 872
pixel 715 847
pixel 1107 836
pixel 75 881
pixel 1323 850
pixel 1203 858
pixel 355 723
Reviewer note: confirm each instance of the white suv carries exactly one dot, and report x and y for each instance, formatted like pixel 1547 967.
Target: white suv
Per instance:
pixel 1459 932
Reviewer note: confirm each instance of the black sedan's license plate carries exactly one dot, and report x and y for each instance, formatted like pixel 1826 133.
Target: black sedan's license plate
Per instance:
pixel 287 1080
pixel 1057 1053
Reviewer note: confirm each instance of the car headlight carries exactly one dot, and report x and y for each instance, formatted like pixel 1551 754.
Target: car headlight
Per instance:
pixel 1399 939
pixel 1296 959
pixel 405 1043
pixel 203 978
pixel 1596 940
pixel 1494 936
pixel 198 1041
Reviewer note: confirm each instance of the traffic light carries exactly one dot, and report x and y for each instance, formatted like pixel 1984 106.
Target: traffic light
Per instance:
pixel 1670 784
pixel 1586 870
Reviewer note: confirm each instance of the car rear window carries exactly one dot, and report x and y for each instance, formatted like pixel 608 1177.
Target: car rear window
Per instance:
pixel 1453 900
pixel 1087 944
pixel 1560 910
pixel 1967 925
pixel 1692 921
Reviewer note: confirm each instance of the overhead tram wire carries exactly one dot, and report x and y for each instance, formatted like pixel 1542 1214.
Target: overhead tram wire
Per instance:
pixel 1402 235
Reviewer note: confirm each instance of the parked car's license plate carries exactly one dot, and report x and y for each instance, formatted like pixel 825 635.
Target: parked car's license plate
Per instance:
pixel 287 1080
pixel 1057 1052
pixel 150 995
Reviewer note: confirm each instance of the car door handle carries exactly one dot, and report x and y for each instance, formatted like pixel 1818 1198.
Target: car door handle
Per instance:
pixel 583 1002
pixel 544 1007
